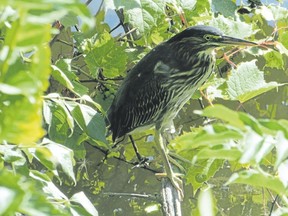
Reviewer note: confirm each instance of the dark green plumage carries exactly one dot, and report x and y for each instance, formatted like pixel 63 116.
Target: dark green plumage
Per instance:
pixel 160 84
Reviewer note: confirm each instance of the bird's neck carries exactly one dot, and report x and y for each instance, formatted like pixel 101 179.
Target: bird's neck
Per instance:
pixel 191 55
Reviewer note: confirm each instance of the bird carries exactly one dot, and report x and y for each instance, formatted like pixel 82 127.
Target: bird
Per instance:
pixel 159 85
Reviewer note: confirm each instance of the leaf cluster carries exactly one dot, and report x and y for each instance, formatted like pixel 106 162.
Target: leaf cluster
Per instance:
pixel 60 68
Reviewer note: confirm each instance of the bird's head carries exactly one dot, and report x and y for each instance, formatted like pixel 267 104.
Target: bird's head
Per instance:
pixel 205 37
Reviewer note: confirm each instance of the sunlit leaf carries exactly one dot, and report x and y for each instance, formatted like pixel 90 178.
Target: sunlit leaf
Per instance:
pixel 234 28
pixel 49 187
pixel 10 90
pixel 251 144
pixel 206 203
pixel 59 127
pixel 63 157
pixel 63 73
pixel 282 173
pixel 103 56
pixel 90 121
pixel 247 81
pixel 142 14
pixel 223 113
pixel 44 156
pixel 225 154
pixel 251 122
pixel 207 138
pixel 61 77
pixel 188 4
pixel 202 171
pixel 225 7
pixel 19 194
pixel 279 12
pixel 46 11
pixel 68 117
pixel 11 154
pixel 281 148
pixel 274 60
pixel 11 192
pixel 81 199
pixel 258 179
pixel 283 37
pixel 275 126
pixel 69 19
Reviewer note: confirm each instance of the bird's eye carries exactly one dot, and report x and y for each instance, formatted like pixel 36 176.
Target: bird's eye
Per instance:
pixel 208 37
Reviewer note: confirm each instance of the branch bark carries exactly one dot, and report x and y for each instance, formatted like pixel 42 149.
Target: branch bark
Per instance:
pixel 171 202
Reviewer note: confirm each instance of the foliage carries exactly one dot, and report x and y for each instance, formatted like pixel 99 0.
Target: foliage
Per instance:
pixel 57 81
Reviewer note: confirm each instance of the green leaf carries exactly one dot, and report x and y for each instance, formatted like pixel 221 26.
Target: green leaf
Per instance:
pixel 142 15
pixel 108 56
pixel 12 194
pixel 69 119
pixel 274 60
pixel 63 73
pixel 275 126
pixel 251 122
pixel 62 156
pixel 81 199
pixel 278 12
pixel 218 111
pixel 25 106
pixel 58 75
pixel 206 203
pixel 261 147
pixel 202 13
pixel 247 81
pixel 75 143
pixel 202 171
pixel 47 11
pixel 282 49
pixel 282 173
pixel 224 7
pixel 283 38
pixel 90 121
pixel 69 19
pixel 224 154
pixel 234 28
pixel 9 89
pixel 281 145
pixel 90 100
pixel 44 156
pixel 11 154
pixel 59 125
pixel 49 187
pixel 258 179
pixel 22 194
pixel 208 137
pixel 188 4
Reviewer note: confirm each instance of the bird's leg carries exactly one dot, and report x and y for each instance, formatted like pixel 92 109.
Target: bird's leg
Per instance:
pixel 135 148
pixel 142 160
pixel 169 134
pixel 175 180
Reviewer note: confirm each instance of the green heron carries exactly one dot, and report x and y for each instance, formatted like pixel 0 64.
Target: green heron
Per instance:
pixel 161 83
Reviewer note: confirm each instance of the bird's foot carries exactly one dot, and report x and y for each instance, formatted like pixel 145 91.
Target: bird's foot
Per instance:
pixel 175 162
pixel 175 181
pixel 143 162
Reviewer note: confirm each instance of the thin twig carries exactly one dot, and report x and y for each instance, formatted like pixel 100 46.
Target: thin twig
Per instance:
pixel 273 204
pixel 145 196
pixel 127 33
pixel 92 79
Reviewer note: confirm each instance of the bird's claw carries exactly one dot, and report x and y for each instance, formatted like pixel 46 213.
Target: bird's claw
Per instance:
pixel 143 162
pixel 175 181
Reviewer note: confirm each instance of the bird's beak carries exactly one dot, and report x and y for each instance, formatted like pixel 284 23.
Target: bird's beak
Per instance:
pixel 226 40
